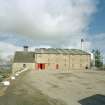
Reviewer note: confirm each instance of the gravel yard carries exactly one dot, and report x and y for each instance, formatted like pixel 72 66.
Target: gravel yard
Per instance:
pixel 56 88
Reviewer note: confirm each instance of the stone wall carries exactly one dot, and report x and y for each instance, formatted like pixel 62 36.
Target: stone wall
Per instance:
pixel 64 61
pixel 19 66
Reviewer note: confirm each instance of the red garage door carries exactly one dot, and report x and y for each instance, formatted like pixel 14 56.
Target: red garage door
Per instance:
pixel 41 66
pixel 57 66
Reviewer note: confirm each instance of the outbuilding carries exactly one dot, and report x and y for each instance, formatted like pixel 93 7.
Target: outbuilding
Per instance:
pixel 23 59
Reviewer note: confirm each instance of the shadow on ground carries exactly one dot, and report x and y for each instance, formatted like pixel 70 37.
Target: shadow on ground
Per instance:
pixel 93 100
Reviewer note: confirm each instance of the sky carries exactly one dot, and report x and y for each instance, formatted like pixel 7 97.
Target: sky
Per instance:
pixel 51 23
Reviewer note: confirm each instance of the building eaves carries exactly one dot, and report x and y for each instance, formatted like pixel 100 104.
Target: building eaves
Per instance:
pixel 61 51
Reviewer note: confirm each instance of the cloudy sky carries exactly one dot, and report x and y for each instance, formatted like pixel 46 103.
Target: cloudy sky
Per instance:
pixel 51 23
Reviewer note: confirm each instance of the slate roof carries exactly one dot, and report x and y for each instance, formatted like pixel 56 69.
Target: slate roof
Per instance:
pixel 26 57
pixel 29 57
pixel 60 51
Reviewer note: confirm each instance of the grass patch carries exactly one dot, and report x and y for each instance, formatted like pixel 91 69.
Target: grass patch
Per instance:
pixel 5 73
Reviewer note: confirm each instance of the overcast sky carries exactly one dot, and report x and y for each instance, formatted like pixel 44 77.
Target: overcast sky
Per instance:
pixel 51 23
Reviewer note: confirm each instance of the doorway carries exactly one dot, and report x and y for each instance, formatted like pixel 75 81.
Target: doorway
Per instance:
pixel 24 65
pixel 57 66
pixel 41 66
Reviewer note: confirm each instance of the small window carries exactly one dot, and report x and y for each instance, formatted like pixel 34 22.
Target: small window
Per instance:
pixel 24 65
pixel 86 67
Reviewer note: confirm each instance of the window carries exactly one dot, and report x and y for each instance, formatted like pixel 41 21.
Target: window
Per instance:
pixel 24 65
pixel 86 67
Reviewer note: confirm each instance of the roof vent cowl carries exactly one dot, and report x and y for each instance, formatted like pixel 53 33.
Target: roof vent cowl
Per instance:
pixel 25 48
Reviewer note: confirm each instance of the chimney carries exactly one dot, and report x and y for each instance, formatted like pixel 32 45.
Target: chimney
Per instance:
pixel 25 48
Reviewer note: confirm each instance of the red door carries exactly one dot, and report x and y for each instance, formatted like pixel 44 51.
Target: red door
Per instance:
pixel 57 66
pixel 40 66
pixel 43 66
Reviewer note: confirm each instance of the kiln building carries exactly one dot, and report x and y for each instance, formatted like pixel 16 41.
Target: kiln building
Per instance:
pixel 51 59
